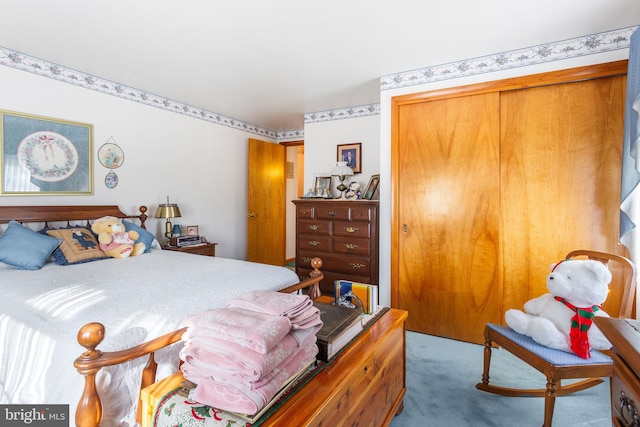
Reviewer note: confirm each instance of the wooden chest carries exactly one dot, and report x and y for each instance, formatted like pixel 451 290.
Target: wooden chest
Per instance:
pixel 363 385
pixel 344 234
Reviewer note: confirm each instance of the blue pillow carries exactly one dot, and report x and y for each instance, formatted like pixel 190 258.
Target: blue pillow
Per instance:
pixel 144 236
pixel 25 248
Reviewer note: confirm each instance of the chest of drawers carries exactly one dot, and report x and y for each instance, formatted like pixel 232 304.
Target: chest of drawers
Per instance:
pixel 344 234
pixel 624 335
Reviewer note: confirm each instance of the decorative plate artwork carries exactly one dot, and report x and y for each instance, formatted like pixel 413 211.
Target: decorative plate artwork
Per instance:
pixel 48 156
pixel 111 180
pixel 111 155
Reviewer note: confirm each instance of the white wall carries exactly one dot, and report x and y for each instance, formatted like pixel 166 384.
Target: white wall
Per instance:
pixel 321 142
pixel 200 165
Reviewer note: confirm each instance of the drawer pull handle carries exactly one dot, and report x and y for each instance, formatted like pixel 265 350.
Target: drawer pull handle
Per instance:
pixel 627 404
pixel 313 227
pixel 356 265
pixel 314 243
pixel 351 229
pixel 332 213
pixel 306 260
pixel 350 246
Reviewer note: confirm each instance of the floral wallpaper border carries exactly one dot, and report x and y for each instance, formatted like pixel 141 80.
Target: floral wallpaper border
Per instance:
pixel 342 113
pixel 581 46
pixel 557 51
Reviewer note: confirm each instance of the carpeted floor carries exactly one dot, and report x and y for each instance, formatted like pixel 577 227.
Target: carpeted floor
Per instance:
pixel 441 379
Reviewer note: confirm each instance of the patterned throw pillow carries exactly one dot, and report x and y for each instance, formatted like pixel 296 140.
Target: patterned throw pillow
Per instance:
pixel 78 245
pixel 25 248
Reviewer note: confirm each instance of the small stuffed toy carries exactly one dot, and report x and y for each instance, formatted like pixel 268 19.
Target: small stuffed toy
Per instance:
pixel 352 192
pixel 562 318
pixel 114 240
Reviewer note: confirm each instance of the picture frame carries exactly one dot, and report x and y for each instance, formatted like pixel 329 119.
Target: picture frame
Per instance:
pixel 352 154
pixel 193 230
pixel 45 156
pixel 372 192
pixel 322 187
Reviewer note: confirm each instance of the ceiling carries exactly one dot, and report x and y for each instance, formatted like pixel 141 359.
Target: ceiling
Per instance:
pixel 268 63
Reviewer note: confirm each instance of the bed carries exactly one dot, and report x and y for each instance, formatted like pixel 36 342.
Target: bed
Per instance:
pixel 106 306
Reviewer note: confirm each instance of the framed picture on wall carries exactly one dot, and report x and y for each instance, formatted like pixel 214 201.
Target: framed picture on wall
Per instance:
pixel 351 153
pixel 372 192
pixel 41 155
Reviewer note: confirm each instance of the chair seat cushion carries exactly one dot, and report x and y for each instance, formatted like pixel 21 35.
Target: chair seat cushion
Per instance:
pixel 553 356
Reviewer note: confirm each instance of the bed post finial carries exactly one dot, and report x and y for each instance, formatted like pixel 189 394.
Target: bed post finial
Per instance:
pixel 89 410
pixel 143 216
pixel 314 290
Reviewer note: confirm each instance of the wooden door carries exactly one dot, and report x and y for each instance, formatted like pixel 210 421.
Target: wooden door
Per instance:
pixel 448 211
pixel 266 215
pixel 561 151
pixel 494 182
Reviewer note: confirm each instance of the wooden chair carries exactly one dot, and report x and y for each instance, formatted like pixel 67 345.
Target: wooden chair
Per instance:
pixel 558 365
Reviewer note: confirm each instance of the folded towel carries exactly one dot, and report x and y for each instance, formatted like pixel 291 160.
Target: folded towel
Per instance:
pixel 308 318
pixel 204 356
pixel 272 302
pixel 236 398
pixel 257 331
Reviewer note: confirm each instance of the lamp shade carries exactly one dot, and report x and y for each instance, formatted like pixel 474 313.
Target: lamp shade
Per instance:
pixel 168 211
pixel 341 169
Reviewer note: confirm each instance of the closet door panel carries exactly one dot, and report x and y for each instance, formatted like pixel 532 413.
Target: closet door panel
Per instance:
pixel 560 178
pixel 448 206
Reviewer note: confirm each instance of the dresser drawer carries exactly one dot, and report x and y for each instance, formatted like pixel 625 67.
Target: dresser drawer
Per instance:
pixel 313 227
pixel 319 243
pixel 352 246
pixel 625 387
pixel 305 212
pixel 359 266
pixel 351 229
pixel 360 213
pixel 332 212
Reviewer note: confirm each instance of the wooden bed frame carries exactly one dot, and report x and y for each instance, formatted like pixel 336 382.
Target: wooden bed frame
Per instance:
pixel 89 363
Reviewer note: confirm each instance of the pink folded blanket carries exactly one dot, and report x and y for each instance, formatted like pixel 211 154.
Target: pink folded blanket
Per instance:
pixel 205 356
pixel 272 302
pixel 237 398
pixel 259 332
pixel 298 308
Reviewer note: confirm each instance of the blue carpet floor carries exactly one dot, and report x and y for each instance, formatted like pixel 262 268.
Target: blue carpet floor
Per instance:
pixel 441 379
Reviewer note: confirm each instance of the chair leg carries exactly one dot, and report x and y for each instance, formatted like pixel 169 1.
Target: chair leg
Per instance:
pixel 487 360
pixel 549 401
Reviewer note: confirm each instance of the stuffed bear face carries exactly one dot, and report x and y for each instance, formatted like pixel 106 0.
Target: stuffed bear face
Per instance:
pixel 583 283
pixel 108 225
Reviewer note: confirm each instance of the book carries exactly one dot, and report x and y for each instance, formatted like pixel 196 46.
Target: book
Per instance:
pixel 367 294
pixel 339 326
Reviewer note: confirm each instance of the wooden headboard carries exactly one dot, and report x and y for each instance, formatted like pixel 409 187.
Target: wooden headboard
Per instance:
pixel 65 213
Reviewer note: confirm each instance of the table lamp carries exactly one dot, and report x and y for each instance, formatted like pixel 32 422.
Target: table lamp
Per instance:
pixel 341 171
pixel 168 211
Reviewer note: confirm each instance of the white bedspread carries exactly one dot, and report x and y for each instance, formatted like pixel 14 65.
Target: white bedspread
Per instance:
pixel 137 299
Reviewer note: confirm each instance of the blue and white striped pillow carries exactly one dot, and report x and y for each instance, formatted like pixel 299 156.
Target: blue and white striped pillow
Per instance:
pixel 25 248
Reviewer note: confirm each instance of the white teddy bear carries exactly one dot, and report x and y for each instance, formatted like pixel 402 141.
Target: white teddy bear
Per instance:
pixel 558 319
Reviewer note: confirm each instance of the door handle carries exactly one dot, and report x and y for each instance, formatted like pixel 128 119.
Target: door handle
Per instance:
pixel 251 215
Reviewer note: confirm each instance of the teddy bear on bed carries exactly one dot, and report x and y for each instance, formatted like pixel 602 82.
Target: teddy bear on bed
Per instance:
pixel 114 240
pixel 562 318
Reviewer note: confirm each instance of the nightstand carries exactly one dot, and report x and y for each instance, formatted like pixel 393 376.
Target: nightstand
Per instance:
pixel 206 249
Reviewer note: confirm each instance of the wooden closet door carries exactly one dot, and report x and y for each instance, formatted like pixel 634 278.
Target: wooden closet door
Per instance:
pixel 560 178
pixel 448 211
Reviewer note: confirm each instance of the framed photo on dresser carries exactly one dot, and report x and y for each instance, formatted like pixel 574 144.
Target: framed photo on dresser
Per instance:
pixel 371 192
